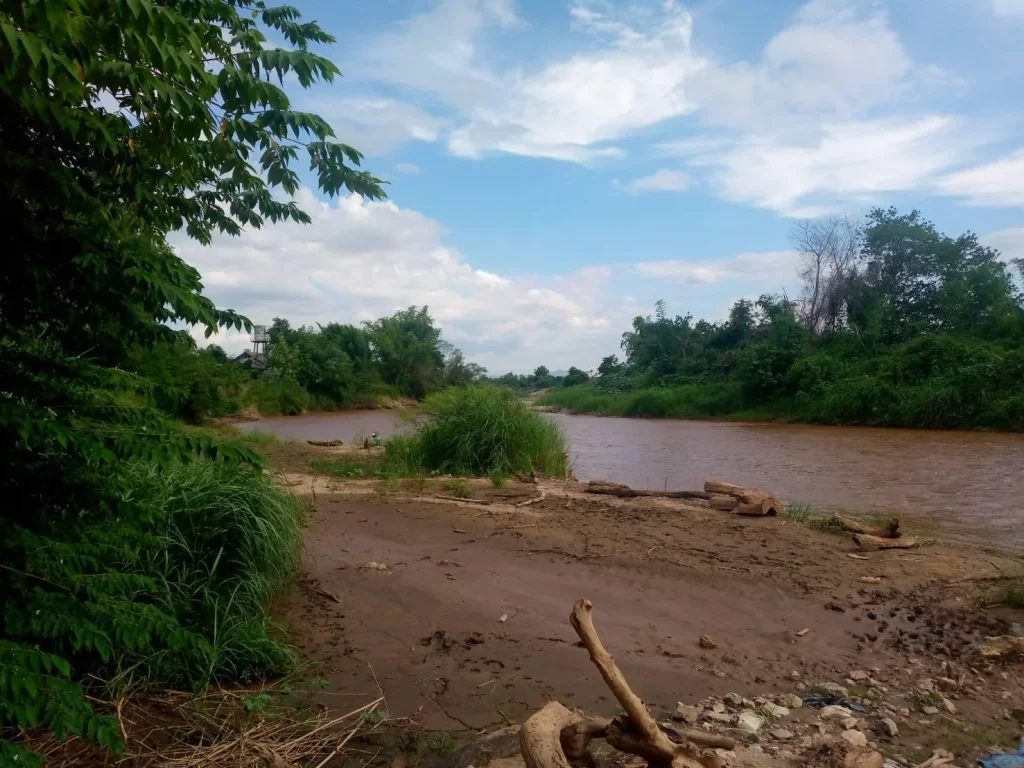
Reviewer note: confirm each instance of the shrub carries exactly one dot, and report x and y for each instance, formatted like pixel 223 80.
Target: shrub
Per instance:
pixel 480 430
pixel 458 487
pixel 284 397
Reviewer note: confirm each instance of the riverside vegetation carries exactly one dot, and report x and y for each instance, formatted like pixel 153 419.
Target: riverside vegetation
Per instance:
pixel 897 325
pixel 135 554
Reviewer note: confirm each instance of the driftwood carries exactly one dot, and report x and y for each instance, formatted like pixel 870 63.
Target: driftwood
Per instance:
pixel 890 531
pixel 541 736
pixel 724 503
pixel 441 496
pixel 868 542
pixel 325 443
pixel 624 491
pixel 748 501
pixel 534 500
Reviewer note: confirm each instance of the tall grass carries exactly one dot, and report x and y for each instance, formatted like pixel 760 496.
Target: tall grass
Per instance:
pixel 687 401
pixel 228 540
pixel 479 431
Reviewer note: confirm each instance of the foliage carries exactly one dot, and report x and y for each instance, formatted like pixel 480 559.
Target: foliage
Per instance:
pixel 479 431
pixel 121 121
pixel 498 479
pixel 899 325
pixel 1010 594
pixel 458 487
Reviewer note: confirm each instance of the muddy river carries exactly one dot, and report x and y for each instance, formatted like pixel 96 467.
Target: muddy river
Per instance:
pixel 970 483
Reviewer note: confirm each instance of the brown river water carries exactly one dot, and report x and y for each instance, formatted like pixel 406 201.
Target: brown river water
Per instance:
pixel 971 483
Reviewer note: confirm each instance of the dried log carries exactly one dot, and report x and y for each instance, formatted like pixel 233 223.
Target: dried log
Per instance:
pixel 460 498
pixel 759 506
pixel 868 543
pixel 605 488
pixel 534 500
pixel 576 738
pixel 719 488
pixel 891 530
pixel 325 443
pixel 541 736
pixel 651 742
pixel 722 502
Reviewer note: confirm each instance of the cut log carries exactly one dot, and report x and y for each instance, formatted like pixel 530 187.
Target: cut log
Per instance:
pixel 605 488
pixel 719 488
pixel 541 736
pixel 650 741
pixel 868 543
pixel 759 506
pixel 724 503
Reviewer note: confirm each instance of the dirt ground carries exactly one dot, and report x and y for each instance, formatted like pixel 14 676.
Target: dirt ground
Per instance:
pixel 458 610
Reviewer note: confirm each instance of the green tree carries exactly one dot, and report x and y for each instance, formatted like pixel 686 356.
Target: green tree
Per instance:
pixel 609 365
pixel 120 120
pixel 575 377
pixel 406 346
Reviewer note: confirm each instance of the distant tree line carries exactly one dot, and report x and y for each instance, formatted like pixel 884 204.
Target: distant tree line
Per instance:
pixel 312 367
pixel 895 324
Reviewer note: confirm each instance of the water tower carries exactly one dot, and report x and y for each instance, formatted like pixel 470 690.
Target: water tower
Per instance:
pixel 260 337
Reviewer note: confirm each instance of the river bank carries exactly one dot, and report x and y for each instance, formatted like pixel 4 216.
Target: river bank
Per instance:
pixel 458 611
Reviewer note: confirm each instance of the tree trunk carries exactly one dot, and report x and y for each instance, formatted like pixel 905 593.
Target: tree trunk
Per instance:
pixel 725 503
pixel 605 488
pixel 759 506
pixel 719 488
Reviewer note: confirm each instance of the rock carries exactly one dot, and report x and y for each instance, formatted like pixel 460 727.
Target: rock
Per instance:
pixel 836 690
pixel 1004 647
pixel 749 721
pixel 1017 714
pixel 718 706
pixel 930 710
pixel 889 727
pixel 790 700
pixel 747 737
pixel 850 722
pixel 781 734
pixel 747 704
pixel 774 710
pixel 904 711
pixel 950 707
pixel 732 699
pixel 859 674
pixel 834 712
pixel 863 758
pixel 855 738
pixel 686 714
pixel 707 643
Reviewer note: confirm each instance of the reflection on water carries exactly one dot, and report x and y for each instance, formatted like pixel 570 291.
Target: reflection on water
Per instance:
pixel 971 481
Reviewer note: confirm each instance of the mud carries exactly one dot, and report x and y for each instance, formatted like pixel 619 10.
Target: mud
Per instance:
pixel 466 629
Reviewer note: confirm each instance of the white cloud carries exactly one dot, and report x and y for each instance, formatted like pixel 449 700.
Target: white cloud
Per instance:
pixel 567 109
pixel 774 268
pixel 408 168
pixel 359 260
pixel 1007 7
pixel 1009 242
pixel 1000 182
pixel 855 161
pixel 376 125
pixel 663 180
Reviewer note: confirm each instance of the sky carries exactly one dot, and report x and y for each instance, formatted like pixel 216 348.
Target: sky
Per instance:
pixel 555 167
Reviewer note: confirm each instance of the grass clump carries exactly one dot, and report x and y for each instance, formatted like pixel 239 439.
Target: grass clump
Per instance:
pixel 1011 594
pixel 229 539
pixel 458 487
pixel 442 744
pixel 826 523
pixel 344 467
pixel 801 513
pixel 478 431
pixel 498 479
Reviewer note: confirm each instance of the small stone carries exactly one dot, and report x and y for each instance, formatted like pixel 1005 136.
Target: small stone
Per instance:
pixel 732 699
pixel 863 758
pixel 790 700
pixel 949 705
pixel 929 710
pixel 904 711
pixel 747 737
pixel 850 722
pixel 707 643
pixel 889 727
pixel 836 690
pixel 859 674
pixel 855 738
pixel 794 675
pixel 747 704
pixel 749 721
pixel 781 734
pixel 834 712
pixel 717 706
pixel 774 710
pixel 686 714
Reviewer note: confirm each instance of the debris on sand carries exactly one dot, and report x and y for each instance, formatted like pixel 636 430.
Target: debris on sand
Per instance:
pixel 707 643
pixel 373 565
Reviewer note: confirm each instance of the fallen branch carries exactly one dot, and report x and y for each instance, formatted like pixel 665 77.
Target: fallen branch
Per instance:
pixel 325 443
pixel 868 543
pixel 528 502
pixel 541 736
pixel 748 501
pixel 890 531
pixel 605 488
pixel 456 498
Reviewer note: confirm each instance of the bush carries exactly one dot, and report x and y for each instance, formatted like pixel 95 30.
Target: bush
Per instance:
pixel 479 431
pixel 688 401
pixel 458 488
pixel 285 397
pixel 230 540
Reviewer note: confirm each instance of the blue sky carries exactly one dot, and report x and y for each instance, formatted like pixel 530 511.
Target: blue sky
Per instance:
pixel 556 166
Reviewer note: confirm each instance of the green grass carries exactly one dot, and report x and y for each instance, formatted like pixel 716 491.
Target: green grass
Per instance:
pixel 256 438
pixel 1011 594
pixel 345 467
pixel 826 523
pixel 478 431
pixel 442 744
pixel 801 513
pixel 498 479
pixel 229 540
pixel 458 487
